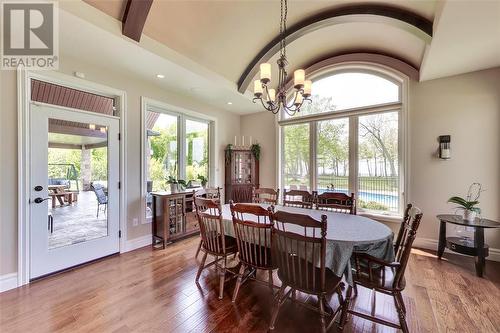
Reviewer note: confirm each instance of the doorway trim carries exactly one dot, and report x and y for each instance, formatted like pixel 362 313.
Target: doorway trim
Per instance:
pixel 23 155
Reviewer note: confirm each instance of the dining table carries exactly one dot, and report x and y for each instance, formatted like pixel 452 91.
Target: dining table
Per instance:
pixel 345 234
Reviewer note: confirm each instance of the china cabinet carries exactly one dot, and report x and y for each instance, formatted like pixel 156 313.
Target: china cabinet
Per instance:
pixel 242 174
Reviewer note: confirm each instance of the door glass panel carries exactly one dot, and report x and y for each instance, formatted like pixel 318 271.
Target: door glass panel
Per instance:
pixel 332 159
pixel 161 154
pixel 296 157
pixel 77 182
pixel 378 165
pixel 196 149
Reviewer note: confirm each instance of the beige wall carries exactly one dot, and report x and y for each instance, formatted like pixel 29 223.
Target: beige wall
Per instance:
pixel 228 125
pixel 467 107
pixel 262 127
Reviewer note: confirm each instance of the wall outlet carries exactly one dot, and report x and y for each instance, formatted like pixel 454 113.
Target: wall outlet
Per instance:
pixel 135 221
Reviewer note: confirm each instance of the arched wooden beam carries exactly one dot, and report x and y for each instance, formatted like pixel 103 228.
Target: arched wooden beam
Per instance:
pixel 404 19
pixel 317 68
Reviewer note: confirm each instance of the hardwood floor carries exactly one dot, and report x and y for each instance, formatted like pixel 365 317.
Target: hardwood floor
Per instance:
pixel 153 291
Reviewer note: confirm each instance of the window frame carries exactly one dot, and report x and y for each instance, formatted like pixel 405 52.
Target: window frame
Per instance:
pixel 149 105
pixel 353 115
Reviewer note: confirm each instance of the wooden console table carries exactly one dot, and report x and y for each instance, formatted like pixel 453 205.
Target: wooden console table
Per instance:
pixel 477 248
pixel 173 216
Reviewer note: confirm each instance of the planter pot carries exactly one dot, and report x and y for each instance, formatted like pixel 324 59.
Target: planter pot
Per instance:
pixel 469 215
pixel 173 188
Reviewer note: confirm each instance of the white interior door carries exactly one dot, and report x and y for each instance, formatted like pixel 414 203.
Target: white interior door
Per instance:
pixel 74 199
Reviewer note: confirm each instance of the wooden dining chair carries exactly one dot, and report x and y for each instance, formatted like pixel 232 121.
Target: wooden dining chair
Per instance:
pixel 299 252
pixel 298 198
pixel 215 242
pixel 208 193
pixel 337 202
pixel 385 277
pixel 252 228
pixel 265 195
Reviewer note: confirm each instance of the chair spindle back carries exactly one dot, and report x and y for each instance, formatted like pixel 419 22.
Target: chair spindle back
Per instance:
pixel 299 250
pixel 265 195
pixel 252 228
pixel 336 202
pixel 298 198
pixel 211 225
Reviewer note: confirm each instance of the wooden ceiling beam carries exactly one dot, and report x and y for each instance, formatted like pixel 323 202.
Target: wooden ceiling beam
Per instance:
pixel 134 18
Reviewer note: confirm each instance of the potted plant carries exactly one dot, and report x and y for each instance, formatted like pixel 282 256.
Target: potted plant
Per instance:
pixel 469 203
pixel 203 180
pixel 255 148
pixel 174 184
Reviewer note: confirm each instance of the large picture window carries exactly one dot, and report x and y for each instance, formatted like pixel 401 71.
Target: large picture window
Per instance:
pixel 348 140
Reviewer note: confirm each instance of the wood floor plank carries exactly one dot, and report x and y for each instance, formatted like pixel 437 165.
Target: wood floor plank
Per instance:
pixel 154 291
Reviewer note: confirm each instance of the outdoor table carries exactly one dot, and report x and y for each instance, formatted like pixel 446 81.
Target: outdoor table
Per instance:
pixel 345 234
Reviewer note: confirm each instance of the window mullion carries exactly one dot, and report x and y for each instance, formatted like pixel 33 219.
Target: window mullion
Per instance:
pixel 312 155
pixel 181 146
pixel 353 155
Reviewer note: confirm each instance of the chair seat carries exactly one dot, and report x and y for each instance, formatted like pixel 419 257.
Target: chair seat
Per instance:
pixel 382 278
pixel 258 255
pixel 301 266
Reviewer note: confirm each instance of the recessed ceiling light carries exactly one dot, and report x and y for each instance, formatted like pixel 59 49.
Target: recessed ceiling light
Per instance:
pixel 229 103
pixel 160 76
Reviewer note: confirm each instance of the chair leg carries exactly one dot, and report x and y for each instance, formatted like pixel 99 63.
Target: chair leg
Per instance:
pixel 345 307
pixel 398 300
pixel 238 282
pixel 271 283
pixel 202 265
pixel 277 305
pixel 222 277
pixel 199 248
pixel 322 301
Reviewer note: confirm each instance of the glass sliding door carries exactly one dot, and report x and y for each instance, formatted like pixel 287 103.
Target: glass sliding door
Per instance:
pixel 296 157
pixel 378 162
pixel 332 155
pixel 196 149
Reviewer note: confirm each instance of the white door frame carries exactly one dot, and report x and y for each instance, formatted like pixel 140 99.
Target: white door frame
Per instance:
pixel 23 158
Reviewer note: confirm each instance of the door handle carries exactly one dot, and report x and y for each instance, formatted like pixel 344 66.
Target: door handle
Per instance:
pixel 40 200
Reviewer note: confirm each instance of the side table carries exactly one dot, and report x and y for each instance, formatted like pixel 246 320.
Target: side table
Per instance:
pixel 477 248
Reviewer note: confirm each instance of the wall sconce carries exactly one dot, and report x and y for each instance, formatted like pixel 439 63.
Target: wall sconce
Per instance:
pixel 444 147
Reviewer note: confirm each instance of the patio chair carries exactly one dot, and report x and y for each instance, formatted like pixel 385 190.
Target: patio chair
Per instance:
pixel 102 197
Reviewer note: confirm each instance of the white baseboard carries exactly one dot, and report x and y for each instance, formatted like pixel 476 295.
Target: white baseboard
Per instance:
pixel 137 243
pixel 432 244
pixel 8 281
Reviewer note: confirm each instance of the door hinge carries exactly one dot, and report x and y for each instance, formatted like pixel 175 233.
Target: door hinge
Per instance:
pixel 119 185
pixel 119 234
pixel 119 136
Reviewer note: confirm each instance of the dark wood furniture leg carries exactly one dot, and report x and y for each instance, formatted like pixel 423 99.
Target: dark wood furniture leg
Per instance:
pixel 442 239
pixel 479 245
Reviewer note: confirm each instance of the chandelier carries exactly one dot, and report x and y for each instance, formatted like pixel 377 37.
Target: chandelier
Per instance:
pixel 276 100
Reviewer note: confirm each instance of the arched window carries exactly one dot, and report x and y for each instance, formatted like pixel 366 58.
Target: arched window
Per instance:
pixel 348 139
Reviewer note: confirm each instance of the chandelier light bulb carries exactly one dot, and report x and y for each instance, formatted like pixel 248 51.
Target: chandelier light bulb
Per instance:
pixel 307 88
pixel 257 88
pixel 265 73
pixel 298 78
pixel 298 100
pixel 271 95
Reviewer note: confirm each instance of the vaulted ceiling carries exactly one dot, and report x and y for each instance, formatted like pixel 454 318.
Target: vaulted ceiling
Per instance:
pixel 222 38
